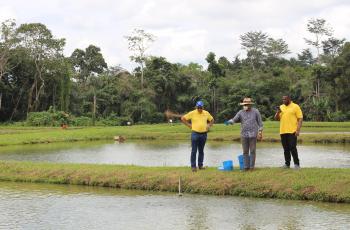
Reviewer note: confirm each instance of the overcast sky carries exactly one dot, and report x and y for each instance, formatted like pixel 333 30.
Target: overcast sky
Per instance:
pixel 186 30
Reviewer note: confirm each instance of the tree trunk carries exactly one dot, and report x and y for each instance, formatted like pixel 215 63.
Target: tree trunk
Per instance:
pixel 17 103
pixel 37 98
pixel 94 111
pixel 53 97
pixel 214 107
pixel 141 77
pixel 41 88
pixel 252 63
pixel 30 98
pixel 141 89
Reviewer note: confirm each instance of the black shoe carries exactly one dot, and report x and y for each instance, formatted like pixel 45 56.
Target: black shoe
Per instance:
pixel 201 168
pixel 285 166
pixel 194 169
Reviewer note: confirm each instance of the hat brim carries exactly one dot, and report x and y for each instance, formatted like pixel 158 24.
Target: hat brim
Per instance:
pixel 247 103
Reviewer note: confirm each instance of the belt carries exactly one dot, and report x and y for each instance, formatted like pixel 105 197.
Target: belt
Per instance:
pixel 199 132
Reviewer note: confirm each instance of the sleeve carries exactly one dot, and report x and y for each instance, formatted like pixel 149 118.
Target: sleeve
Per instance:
pixel 210 117
pixel 298 112
pixel 188 116
pixel 237 118
pixel 259 120
pixel 281 113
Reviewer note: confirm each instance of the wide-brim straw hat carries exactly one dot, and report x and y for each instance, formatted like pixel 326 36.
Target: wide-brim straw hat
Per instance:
pixel 247 101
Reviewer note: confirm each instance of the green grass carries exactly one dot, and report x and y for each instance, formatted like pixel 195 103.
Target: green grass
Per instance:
pixel 314 132
pixel 329 185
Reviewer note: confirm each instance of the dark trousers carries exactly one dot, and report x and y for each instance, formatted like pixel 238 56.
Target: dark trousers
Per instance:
pixel 249 146
pixel 198 142
pixel 289 143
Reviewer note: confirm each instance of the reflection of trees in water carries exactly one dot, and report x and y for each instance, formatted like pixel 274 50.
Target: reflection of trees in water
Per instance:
pixel 157 144
pixel 52 147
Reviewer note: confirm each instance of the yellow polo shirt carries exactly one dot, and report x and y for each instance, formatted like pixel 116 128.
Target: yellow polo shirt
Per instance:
pixel 199 120
pixel 288 118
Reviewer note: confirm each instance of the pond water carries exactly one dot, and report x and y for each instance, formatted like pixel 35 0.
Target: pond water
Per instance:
pixel 172 153
pixel 44 206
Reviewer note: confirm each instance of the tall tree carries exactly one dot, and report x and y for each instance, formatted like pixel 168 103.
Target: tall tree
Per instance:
pixel 306 58
pixel 276 47
pixel 87 63
pixel 319 29
pixel 38 40
pixel 340 79
pixel 7 43
pixel 138 43
pixel 331 48
pixel 216 71
pixel 254 42
pixel 65 84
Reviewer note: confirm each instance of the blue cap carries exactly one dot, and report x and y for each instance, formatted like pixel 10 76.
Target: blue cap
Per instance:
pixel 199 104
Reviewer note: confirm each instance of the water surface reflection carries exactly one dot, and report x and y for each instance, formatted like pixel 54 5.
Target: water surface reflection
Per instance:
pixel 42 206
pixel 172 153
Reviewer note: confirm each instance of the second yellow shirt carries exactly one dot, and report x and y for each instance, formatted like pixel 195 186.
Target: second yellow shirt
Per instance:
pixel 289 118
pixel 199 121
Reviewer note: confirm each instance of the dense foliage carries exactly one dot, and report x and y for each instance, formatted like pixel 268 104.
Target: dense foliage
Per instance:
pixel 37 81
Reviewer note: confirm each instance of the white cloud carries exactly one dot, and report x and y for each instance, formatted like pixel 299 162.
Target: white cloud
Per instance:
pixel 180 43
pixel 6 12
pixel 186 30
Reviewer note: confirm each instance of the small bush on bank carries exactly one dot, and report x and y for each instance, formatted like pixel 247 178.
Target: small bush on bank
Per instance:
pixel 40 119
pixel 339 116
pixel 48 118
pixel 113 120
pixel 155 118
pixel 59 118
pixel 81 121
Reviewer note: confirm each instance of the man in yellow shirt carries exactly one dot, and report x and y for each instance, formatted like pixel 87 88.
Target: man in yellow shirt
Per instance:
pixel 201 121
pixel 291 118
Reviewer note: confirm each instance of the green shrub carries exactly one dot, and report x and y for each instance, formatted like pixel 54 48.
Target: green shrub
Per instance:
pixel 339 116
pixel 48 118
pixel 60 118
pixel 40 119
pixel 114 120
pixel 155 118
pixel 81 121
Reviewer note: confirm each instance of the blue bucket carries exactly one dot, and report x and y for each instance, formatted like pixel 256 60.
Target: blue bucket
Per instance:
pixel 227 165
pixel 241 162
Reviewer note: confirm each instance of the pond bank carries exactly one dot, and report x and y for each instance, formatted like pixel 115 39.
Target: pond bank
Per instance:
pixel 318 184
pixel 312 132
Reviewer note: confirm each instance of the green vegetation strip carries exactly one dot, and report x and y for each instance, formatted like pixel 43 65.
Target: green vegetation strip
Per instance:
pixel 330 185
pixel 314 132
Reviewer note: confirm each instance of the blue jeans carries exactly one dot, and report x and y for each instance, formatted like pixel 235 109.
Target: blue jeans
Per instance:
pixel 198 142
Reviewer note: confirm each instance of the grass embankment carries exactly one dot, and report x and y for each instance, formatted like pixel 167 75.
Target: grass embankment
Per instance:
pixel 317 132
pixel 331 185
